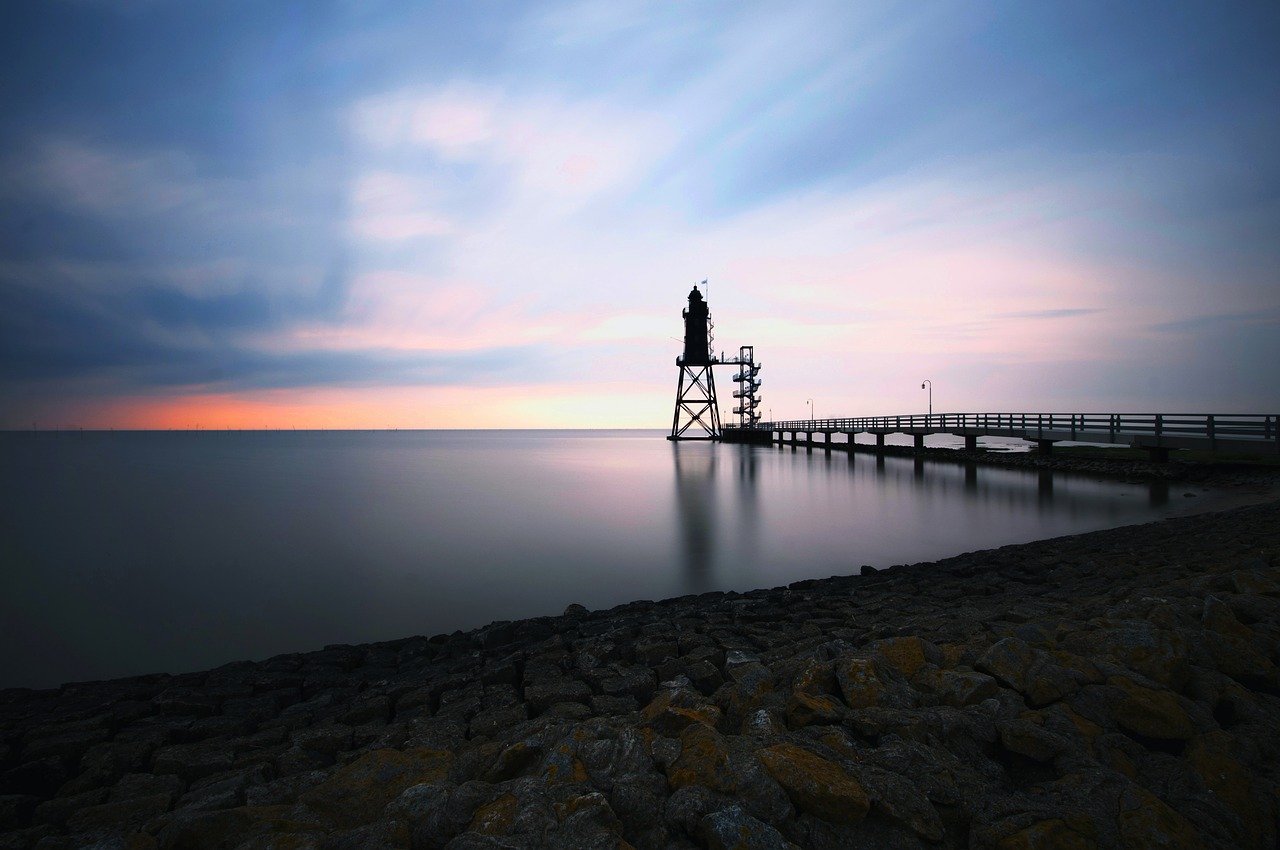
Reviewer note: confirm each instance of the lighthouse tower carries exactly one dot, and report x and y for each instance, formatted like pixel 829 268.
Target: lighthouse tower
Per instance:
pixel 697 415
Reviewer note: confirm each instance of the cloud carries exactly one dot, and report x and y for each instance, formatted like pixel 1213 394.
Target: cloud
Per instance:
pixel 548 151
pixel 1221 322
pixel 50 337
pixel 1059 313
pixel 393 207
pixel 81 177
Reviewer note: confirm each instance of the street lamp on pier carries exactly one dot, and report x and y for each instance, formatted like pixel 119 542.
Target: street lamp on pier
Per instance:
pixel 922 386
pixel 809 402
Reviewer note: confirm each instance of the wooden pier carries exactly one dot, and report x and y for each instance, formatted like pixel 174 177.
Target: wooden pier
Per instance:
pixel 1156 433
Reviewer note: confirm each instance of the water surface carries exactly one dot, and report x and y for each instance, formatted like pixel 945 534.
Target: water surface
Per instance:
pixel 125 553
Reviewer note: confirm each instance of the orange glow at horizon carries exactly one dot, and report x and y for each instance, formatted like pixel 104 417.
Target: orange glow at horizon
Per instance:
pixel 366 409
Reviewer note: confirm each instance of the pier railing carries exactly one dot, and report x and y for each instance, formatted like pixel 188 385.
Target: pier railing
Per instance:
pixel 1179 430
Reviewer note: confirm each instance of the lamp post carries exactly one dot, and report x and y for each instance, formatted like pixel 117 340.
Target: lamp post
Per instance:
pixel 809 402
pixel 930 383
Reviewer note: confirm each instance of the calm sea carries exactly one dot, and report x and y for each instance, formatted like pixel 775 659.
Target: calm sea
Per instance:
pixel 125 553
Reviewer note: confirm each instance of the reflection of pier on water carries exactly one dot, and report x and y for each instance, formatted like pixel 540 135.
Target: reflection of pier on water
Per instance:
pixel 1008 484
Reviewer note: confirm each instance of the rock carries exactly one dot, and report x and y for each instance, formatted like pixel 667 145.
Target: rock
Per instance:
pixel 1146 821
pixel 1218 616
pixel 1215 758
pixel 1041 676
pixel 815 785
pixel 1031 739
pixel 807 710
pixel 16 810
pixel 358 792
pixel 544 694
pixel 1051 834
pixel 957 688
pixel 1236 657
pixel 734 829
pixel 703 760
pixel 407 817
pixel 561 763
pixel 903 802
pixel 859 685
pixel 1158 654
pixel 119 816
pixel 193 761
pixel 1262 580
pixel 907 655
pixel 672 711
pixel 1149 712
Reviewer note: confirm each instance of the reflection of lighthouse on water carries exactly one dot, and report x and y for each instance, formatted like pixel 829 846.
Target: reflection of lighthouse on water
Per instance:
pixel 700 520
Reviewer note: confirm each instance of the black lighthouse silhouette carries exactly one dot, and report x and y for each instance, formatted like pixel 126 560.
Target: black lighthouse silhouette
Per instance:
pixel 697 414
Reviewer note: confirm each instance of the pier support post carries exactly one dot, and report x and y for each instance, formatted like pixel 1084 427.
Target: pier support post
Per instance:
pixel 971 442
pixel 1044 447
pixel 879 441
pixel 919 441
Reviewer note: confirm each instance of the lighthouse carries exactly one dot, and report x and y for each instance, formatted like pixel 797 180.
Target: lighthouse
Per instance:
pixel 697 414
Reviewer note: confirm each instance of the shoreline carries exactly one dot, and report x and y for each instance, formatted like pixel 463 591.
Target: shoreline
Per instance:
pixel 1218 487
pixel 1116 686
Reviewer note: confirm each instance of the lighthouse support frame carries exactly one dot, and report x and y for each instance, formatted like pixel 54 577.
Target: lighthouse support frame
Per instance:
pixel 696 400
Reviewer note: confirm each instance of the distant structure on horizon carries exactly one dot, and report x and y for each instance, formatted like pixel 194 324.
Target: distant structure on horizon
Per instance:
pixel 697 411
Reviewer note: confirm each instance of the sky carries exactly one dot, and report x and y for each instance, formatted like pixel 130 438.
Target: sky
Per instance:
pixel 375 214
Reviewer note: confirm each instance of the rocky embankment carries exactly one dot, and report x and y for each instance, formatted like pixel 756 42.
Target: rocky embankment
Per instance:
pixel 1114 689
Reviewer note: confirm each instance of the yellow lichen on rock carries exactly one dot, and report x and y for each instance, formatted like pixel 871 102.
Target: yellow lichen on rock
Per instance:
pixel 813 710
pixel 859 685
pixel 906 654
pixel 672 711
pixel 496 817
pixel 1150 712
pixel 703 760
pixel 815 785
